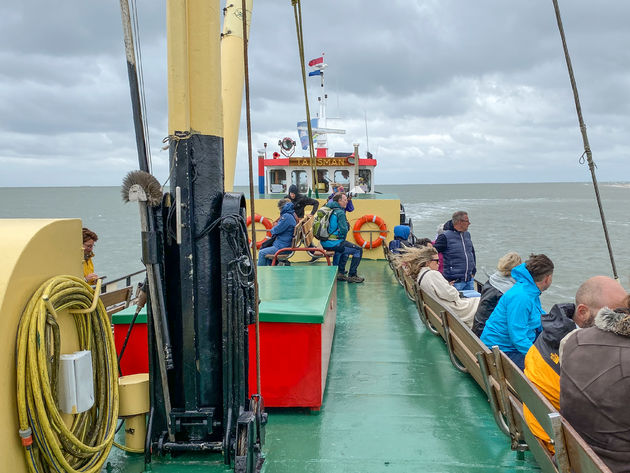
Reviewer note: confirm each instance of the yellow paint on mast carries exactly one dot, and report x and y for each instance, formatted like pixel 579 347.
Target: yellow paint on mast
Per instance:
pixel 194 67
pixel 232 79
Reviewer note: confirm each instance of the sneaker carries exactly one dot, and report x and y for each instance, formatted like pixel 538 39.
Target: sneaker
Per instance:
pixel 355 278
pixel 341 277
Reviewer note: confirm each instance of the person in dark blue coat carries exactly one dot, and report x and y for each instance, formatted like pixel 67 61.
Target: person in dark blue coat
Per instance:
pixel 455 244
pixel 516 321
pixel 283 230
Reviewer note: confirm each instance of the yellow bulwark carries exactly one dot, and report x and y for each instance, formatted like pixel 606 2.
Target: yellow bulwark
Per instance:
pixel 386 207
pixel 33 251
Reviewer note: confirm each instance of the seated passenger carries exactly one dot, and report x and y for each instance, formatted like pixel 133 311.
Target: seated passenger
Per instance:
pixel 542 363
pixel 515 322
pixel 401 238
pixel 282 230
pixel 594 386
pixel 498 283
pixel 340 190
pixel 421 264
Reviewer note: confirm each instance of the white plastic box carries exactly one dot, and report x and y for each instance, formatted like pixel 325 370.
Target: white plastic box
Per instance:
pixel 75 389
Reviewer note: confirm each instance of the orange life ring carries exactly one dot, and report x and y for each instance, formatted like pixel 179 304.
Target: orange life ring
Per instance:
pixel 267 223
pixel 381 226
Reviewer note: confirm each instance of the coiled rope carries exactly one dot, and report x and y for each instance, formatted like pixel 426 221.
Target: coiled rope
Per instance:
pixel 49 445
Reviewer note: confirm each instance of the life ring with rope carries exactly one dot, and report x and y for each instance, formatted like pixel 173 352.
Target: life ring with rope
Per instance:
pixel 267 223
pixel 362 221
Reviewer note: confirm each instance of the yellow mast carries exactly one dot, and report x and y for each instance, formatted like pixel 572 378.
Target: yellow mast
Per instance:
pixel 232 78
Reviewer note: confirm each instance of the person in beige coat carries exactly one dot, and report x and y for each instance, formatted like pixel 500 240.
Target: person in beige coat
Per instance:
pixel 422 265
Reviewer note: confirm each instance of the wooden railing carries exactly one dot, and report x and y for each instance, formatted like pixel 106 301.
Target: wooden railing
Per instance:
pixel 506 387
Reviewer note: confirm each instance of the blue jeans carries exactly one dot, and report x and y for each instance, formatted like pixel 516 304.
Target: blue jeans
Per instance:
pixel 344 250
pixel 460 286
pixel 262 261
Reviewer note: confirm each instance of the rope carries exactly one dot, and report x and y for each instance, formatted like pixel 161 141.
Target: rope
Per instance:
pixel 251 190
pixel 587 148
pixel 297 11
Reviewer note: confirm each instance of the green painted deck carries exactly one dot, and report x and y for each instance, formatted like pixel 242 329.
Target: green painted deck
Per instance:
pixel 283 297
pixel 393 402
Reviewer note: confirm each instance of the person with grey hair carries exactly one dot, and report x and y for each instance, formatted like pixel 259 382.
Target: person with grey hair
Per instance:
pixel 456 245
pixel 421 264
pixel 498 284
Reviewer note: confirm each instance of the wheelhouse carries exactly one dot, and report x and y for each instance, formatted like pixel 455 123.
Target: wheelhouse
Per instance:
pixel 280 172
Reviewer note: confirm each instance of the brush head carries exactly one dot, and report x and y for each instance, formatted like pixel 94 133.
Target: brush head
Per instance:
pixel 141 186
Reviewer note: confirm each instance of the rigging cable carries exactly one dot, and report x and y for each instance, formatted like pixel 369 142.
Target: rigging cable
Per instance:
pixel 587 148
pixel 297 11
pixel 143 101
pixel 251 190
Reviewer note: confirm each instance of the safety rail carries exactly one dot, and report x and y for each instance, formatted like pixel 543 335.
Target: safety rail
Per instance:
pixel 506 387
pixel 277 255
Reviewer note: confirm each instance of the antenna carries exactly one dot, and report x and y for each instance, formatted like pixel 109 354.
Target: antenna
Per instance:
pixel 367 139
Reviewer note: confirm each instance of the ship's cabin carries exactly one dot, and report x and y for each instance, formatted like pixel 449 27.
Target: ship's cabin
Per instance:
pixel 341 170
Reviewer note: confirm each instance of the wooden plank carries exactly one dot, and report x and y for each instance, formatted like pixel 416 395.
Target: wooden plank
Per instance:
pixel 432 310
pixel 529 394
pixel 117 300
pixel 581 456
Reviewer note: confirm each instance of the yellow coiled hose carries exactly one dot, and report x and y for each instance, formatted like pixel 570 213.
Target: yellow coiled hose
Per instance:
pixel 53 446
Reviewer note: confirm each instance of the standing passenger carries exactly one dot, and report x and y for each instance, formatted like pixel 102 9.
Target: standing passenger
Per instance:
pixel 89 239
pixel 300 201
pixel 459 253
pixel 515 322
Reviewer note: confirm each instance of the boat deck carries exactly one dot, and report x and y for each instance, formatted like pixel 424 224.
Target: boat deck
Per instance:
pixel 393 402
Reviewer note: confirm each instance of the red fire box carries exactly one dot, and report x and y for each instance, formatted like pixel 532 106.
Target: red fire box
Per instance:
pixel 298 311
pixel 136 356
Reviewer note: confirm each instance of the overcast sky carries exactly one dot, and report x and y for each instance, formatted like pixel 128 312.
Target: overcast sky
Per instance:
pixel 453 90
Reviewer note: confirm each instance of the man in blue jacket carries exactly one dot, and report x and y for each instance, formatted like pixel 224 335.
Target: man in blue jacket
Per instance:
pixel 516 320
pixel 338 229
pixel 458 251
pixel 283 230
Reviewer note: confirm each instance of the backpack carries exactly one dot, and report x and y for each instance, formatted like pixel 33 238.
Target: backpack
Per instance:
pixel 321 223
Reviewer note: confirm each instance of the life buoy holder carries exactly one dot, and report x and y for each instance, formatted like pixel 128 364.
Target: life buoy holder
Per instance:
pixel 267 223
pixel 362 221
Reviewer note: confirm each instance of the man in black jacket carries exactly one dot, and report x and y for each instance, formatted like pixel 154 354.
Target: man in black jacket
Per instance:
pixel 300 201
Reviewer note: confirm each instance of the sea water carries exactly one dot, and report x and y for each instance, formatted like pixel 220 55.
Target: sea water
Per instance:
pixel 559 219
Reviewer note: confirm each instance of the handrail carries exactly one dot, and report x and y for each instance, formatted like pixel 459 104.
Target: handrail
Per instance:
pixel 127 278
pixel 274 262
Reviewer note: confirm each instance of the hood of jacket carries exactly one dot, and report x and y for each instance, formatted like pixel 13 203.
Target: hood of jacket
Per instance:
pixel 522 276
pixel 287 208
pixel 448 226
pixel 333 205
pixel 501 282
pixel 293 189
pixel 616 321
pixel 402 232
pixel 557 323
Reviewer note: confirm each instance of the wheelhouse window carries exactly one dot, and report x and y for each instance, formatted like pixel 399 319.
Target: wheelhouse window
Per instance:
pixel 277 181
pixel 342 177
pixel 322 180
pixel 365 180
pixel 299 178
